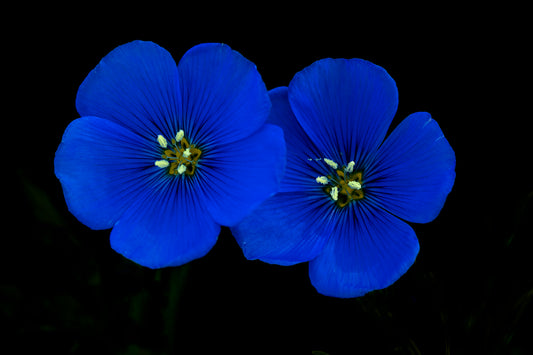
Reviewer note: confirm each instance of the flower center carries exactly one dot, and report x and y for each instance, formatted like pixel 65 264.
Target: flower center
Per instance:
pixel 180 157
pixel 344 185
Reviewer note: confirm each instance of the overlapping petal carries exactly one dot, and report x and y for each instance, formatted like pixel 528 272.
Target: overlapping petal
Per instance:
pixel 304 161
pixel 414 170
pixel 236 178
pixel 370 249
pixel 286 229
pixel 135 85
pixel 223 96
pixel 345 106
pixel 102 167
pixel 165 227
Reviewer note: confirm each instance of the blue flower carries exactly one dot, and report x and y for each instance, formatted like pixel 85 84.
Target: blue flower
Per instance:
pixel 165 154
pixel 346 190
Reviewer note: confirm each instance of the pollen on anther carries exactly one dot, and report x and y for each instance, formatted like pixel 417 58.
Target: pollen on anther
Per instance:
pixel 354 185
pixel 187 153
pixel 349 167
pixel 331 163
pixel 162 141
pixel 181 169
pixel 335 193
pixel 322 180
pixel 161 163
pixel 180 135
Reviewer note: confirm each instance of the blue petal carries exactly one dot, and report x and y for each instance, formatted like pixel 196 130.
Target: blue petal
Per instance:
pixel 135 85
pixel 289 227
pixel 237 177
pixel 303 165
pixel 345 106
pixel 286 229
pixel 369 250
pixel 414 170
pixel 224 97
pixel 165 226
pixel 102 166
pixel 109 180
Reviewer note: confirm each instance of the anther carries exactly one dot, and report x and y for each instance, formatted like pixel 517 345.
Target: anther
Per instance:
pixel 180 135
pixel 354 185
pixel 349 167
pixel 322 180
pixel 331 163
pixel 334 193
pixel 181 169
pixel 187 153
pixel 161 163
pixel 162 141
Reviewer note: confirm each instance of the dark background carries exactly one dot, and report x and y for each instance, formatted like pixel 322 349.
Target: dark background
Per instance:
pixel 470 290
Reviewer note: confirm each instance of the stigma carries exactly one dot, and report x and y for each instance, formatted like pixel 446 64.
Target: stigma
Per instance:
pixel 343 185
pixel 179 156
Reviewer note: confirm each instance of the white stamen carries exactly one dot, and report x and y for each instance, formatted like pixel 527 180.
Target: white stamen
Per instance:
pixel 187 153
pixel 162 163
pixel 349 167
pixel 331 163
pixel 334 193
pixel 162 141
pixel 322 180
pixel 181 169
pixel 180 135
pixel 354 185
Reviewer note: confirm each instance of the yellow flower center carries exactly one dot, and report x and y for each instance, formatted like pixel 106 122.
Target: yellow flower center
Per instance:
pixel 343 186
pixel 180 156
pixel 348 187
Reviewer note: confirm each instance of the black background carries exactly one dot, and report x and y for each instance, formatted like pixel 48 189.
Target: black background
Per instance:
pixel 470 290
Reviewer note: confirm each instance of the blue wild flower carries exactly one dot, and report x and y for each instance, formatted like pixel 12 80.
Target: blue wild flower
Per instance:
pixel 347 190
pixel 165 154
